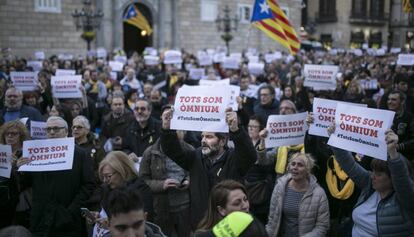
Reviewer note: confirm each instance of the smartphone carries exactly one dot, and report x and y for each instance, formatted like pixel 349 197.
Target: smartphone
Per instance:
pixel 85 212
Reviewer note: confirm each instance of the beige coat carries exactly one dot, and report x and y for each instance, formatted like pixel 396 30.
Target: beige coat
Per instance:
pixel 313 209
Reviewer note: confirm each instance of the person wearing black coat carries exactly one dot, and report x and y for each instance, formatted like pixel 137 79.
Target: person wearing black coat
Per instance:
pixel 59 195
pixel 210 163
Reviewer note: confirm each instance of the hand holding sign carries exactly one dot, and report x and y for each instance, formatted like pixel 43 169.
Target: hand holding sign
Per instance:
pixel 166 118
pixel 22 161
pixel 231 119
pixel 392 143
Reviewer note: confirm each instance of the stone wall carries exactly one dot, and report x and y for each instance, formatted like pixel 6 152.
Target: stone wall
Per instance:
pixel 25 31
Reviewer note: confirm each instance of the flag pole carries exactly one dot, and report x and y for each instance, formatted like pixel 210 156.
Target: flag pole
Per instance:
pixel 246 40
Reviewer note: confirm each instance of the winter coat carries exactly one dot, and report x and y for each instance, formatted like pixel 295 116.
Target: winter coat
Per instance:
pixel 59 195
pixel 313 217
pixel 233 164
pixel 138 139
pixel 395 213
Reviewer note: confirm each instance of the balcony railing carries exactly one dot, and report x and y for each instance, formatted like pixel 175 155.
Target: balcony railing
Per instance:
pixel 368 19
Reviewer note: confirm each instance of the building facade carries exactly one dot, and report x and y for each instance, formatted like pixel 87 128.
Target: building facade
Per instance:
pixel 28 26
pixel 348 24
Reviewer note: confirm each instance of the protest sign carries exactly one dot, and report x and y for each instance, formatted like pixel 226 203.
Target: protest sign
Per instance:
pixel 5 161
pixel 324 115
pixel 204 59
pixel 219 57
pixel 172 57
pixel 101 53
pixel 49 155
pixel 214 82
pixel 395 50
pixel 151 51
pixel 320 76
pixel 234 93
pixel 40 55
pixel 231 63
pixel 122 59
pixel 196 73
pixel 234 90
pixel 116 66
pixel 199 108
pixel 35 65
pixel 361 130
pixel 24 81
pixel 256 68
pixel 66 86
pixel 405 59
pixel 253 59
pixel 65 72
pixel 38 130
pixel 151 60
pixel 285 130
pixel 65 56
pixel 369 84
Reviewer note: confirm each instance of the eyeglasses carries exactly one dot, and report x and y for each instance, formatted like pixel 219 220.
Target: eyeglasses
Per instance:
pixel 11 134
pixel 77 127
pixel 253 126
pixel 107 176
pixel 140 108
pixel 55 129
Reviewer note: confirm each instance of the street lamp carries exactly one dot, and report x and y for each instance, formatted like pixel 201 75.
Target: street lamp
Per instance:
pixel 88 20
pixel 227 25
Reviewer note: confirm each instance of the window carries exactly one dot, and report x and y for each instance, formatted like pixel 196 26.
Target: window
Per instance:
pixel 245 13
pixel 286 11
pixel 327 10
pixel 377 9
pixel 51 6
pixel 209 10
pixel 359 8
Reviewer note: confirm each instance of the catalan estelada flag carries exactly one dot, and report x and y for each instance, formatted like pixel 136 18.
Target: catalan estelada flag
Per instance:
pixel 407 7
pixel 135 18
pixel 269 17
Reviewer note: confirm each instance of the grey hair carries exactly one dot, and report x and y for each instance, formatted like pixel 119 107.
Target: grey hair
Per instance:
pixel 83 120
pixel 65 124
pixel 19 92
pixel 306 157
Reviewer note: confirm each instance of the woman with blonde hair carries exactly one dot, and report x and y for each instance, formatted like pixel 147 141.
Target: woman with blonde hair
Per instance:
pixel 299 206
pixel 116 170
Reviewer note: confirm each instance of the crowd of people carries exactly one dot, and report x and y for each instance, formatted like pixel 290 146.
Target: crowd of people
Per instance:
pixel 133 175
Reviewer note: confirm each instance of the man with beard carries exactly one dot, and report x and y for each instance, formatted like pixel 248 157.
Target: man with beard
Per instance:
pixel 115 123
pixel 210 163
pixel 143 132
pixel 13 108
pixel 157 102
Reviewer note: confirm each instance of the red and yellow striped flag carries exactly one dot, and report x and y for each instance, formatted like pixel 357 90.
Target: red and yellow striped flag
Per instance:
pixel 270 18
pixel 407 6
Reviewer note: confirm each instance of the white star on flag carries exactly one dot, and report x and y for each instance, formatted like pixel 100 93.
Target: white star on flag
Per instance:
pixel 264 7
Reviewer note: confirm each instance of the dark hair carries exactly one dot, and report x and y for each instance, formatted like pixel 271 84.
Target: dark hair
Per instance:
pixel 15 231
pixel 269 87
pixel 122 200
pixel 382 166
pixel 257 119
pixel 400 77
pixel 256 229
pixel 403 97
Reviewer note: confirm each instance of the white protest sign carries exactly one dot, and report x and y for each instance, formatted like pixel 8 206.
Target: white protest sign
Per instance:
pixel 36 65
pixel 66 86
pixel 40 55
pixel 65 72
pixel 285 130
pixel 122 59
pixel 405 59
pixel 234 93
pixel 256 68
pixel 253 59
pixel 196 73
pixel 24 81
pixel 369 84
pixel 172 57
pixel 361 130
pixel 116 66
pixel 5 160
pixel 324 115
pixel 358 52
pixel 204 59
pixel 113 76
pixel 101 53
pixel 49 155
pixel 38 130
pixel 225 82
pixel 231 63
pixel 199 108
pixel 234 90
pixel 320 76
pixel 219 57
pixel 395 50
pixel 151 60
pixel 65 56
pixel 151 51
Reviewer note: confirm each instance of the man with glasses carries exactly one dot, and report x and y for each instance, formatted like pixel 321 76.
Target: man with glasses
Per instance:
pixel 14 108
pixel 143 132
pixel 59 195
pixel 268 104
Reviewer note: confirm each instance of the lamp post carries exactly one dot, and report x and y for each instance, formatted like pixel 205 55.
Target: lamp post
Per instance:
pixel 88 20
pixel 227 25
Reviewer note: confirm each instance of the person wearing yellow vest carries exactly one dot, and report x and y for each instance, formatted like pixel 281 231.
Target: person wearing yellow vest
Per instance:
pixel 278 155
